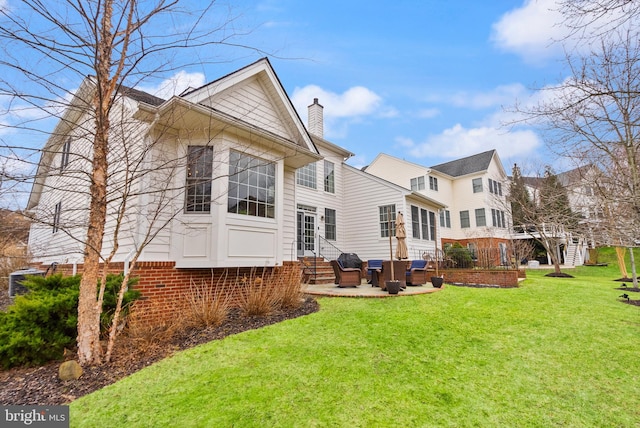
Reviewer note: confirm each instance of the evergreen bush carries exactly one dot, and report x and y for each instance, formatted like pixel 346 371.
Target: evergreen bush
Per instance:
pixel 39 325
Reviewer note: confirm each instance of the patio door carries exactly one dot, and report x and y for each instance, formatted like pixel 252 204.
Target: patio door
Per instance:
pixel 306 232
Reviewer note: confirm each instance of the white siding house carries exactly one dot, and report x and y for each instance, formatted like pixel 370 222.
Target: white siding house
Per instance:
pixel 209 176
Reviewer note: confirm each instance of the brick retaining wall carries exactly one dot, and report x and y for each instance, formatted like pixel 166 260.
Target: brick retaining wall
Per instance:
pixel 500 277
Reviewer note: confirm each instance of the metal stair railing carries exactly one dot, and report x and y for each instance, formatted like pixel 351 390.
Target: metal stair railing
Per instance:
pixel 327 250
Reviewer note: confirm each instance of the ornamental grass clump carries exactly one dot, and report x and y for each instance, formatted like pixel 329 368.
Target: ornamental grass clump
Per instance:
pixel 257 296
pixel 208 304
pixel 149 327
pixel 278 288
pixel 287 282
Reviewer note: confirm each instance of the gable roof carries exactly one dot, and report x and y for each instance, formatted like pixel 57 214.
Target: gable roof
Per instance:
pixel 469 165
pixel 259 84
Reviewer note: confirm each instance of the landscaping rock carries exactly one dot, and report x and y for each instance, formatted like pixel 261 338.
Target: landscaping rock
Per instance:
pixel 70 370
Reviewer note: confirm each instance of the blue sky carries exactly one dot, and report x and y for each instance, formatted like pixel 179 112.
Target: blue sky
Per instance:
pixel 427 81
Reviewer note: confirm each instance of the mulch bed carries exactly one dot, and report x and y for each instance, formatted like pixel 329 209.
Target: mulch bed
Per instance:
pixel 41 386
pixel 625 298
pixel 460 284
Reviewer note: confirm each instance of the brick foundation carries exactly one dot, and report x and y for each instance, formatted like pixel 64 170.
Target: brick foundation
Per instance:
pixel 165 288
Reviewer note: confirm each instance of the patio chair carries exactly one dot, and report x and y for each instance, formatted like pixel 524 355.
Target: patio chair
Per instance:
pixel 373 266
pixel 416 273
pixel 346 277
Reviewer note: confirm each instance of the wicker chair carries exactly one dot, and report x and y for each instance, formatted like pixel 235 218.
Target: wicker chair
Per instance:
pixel 346 277
pixel 417 273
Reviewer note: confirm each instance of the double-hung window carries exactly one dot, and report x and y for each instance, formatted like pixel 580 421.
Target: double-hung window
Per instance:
pixel 66 151
pixel 424 219
pixel 330 225
pixel 415 222
pixel 477 185
pixel 432 225
pixel 464 219
pixel 417 183
pixel 387 216
pixel 498 218
pixel 329 177
pixel 433 183
pixel 481 219
pixel 199 178
pixel 445 218
pixel 57 211
pixel 495 187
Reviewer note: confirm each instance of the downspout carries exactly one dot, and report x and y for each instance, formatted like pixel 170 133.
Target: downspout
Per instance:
pixel 127 259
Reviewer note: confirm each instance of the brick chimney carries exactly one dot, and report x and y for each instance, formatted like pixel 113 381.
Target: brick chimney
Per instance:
pixel 315 120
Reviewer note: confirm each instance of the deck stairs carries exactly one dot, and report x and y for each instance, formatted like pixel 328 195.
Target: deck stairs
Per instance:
pixel 317 270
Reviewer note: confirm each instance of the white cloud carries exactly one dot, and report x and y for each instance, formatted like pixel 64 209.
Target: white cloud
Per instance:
pixel 530 30
pixel 499 96
pixel 175 85
pixel 458 141
pixel 340 110
pixel 428 113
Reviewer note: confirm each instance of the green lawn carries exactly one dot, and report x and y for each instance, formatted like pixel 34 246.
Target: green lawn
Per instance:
pixel 554 352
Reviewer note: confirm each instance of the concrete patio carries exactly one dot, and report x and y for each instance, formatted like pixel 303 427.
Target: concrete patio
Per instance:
pixel 364 290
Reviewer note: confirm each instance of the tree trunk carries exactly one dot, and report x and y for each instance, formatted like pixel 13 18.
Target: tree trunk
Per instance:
pixel 113 332
pixel 89 309
pixel 634 274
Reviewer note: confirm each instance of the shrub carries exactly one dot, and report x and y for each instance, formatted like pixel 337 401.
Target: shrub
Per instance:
pixel 460 255
pixel 39 325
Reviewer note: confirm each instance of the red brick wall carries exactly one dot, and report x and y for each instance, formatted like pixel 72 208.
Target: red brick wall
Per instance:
pixel 165 288
pixel 500 277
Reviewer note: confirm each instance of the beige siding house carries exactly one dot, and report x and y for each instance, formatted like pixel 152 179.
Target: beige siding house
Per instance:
pixel 471 189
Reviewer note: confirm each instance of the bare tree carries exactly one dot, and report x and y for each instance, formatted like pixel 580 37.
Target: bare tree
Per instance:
pixel 593 116
pixel 545 213
pixel 594 19
pixel 47 47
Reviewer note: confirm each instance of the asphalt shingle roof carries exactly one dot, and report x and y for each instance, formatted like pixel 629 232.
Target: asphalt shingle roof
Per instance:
pixel 468 165
pixel 141 96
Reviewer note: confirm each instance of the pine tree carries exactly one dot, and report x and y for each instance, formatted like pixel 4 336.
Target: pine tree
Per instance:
pixel 519 198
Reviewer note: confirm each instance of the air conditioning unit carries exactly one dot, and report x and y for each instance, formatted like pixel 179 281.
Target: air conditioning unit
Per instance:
pixel 16 278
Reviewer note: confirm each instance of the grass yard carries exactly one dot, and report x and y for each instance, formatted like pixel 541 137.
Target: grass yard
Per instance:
pixel 553 352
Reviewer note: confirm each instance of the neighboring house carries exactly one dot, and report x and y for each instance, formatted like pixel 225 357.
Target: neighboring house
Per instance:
pixel 472 189
pixel 573 245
